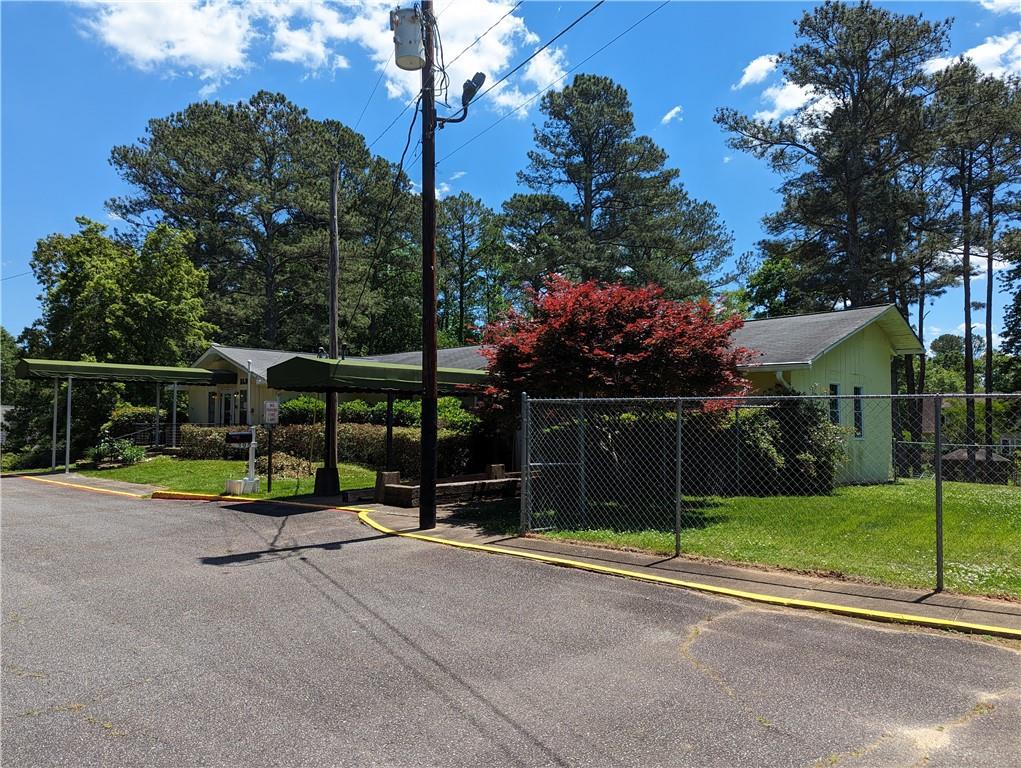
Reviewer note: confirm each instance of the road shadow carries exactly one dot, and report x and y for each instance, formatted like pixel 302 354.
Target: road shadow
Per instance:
pixel 248 557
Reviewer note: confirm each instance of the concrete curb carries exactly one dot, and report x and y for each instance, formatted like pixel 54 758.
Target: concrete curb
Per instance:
pixel 364 515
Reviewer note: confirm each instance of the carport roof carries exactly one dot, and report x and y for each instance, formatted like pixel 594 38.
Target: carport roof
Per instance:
pixel 312 374
pixel 34 368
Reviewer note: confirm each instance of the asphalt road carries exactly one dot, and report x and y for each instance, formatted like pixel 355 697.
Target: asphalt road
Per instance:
pixel 164 633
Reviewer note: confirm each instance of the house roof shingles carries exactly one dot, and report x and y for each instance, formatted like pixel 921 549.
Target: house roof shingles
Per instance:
pixel 793 341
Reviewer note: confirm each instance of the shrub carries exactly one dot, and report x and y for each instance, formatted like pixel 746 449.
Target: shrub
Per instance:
pixel 356 412
pixel 211 443
pixel 285 465
pixel 304 409
pixel 110 450
pixel 125 419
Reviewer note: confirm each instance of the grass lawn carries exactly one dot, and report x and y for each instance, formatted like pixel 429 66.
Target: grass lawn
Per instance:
pixel 883 533
pixel 208 476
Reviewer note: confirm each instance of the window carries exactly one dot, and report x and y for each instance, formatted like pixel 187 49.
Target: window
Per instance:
pixel 859 416
pixel 834 403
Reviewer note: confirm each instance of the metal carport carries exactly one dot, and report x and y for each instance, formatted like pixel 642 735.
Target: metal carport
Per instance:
pixel 314 374
pixel 34 368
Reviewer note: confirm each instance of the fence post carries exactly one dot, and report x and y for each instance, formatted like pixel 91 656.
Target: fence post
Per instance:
pixel 582 489
pixel 526 511
pixel 677 479
pixel 938 461
pixel 53 444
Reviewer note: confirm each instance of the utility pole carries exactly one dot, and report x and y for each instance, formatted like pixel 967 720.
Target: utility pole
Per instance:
pixel 427 483
pixel 328 477
pixel 414 35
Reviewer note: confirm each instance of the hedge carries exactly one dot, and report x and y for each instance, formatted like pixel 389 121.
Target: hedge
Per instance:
pixel 363 444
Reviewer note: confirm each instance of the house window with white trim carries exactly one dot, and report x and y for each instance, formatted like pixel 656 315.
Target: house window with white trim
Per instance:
pixel 834 403
pixel 859 414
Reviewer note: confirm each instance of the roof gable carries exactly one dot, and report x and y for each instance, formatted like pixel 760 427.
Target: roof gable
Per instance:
pixel 796 341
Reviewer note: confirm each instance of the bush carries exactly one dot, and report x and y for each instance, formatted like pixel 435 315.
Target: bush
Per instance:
pixel 126 419
pixel 29 458
pixel 356 412
pixel 285 465
pixel 305 409
pixel 211 443
pixel 110 450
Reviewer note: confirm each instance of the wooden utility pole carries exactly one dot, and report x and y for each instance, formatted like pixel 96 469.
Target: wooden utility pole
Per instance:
pixel 427 482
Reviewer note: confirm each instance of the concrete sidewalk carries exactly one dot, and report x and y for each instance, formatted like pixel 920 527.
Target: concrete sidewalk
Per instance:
pixel 101 484
pixel 777 583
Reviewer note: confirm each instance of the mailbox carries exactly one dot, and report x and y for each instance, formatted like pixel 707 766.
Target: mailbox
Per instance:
pixel 240 438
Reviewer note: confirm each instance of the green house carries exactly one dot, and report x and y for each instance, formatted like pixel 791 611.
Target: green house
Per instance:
pixel 846 353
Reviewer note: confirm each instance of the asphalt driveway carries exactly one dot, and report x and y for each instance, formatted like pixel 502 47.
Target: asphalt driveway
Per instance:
pixel 176 633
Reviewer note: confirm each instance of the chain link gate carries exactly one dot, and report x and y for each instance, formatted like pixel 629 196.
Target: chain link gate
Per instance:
pixel 802 481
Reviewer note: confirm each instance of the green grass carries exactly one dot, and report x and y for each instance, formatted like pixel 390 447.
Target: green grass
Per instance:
pixel 208 476
pixel 882 533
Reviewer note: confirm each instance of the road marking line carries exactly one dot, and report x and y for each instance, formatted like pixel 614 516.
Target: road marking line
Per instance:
pixel 185 496
pixel 83 487
pixel 787 602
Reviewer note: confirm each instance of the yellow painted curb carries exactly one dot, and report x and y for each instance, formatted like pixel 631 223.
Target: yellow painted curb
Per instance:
pixel 787 602
pixel 84 487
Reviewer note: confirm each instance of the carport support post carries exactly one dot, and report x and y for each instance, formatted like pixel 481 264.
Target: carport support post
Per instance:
pixel 53 446
pixel 156 418
pixel 389 431
pixel 173 420
pixel 67 433
pixel 938 462
pixel 677 479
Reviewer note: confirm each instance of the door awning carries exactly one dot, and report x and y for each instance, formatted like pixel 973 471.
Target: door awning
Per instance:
pixel 34 368
pixel 313 374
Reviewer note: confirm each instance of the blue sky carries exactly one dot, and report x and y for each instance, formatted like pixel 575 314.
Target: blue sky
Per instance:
pixel 78 79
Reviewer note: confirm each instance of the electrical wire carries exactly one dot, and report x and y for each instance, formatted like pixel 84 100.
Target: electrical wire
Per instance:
pixel 474 42
pixel 386 220
pixel 20 274
pixel 539 50
pixel 541 91
pixel 373 92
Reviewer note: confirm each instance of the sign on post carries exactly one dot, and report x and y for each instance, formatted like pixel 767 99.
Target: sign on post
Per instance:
pixel 271 412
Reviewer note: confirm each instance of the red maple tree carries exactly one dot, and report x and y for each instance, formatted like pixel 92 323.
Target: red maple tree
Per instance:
pixel 598 340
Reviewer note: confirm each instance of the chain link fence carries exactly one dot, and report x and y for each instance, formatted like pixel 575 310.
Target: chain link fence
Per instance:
pixel 921 491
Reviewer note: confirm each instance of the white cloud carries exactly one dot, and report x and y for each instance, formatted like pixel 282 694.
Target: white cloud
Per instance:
pixel 675 114
pixel 783 99
pixel 758 69
pixel 217 40
pixel 442 190
pixel 977 256
pixel 727 158
pixel 998 55
pixel 1001 6
pixel 457 175
pixel 208 39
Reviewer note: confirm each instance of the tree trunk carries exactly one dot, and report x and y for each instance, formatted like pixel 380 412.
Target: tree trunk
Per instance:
pixel 856 283
pixel 990 252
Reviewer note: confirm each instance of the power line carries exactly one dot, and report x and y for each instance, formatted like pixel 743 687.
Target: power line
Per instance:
pixel 373 92
pixel 539 50
pixel 20 274
pixel 389 214
pixel 538 93
pixel 474 42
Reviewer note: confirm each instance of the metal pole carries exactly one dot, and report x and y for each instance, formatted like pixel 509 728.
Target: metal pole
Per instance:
pixel 156 418
pixel 251 445
pixel 582 490
pixel 677 479
pixel 427 482
pixel 269 458
pixel 526 511
pixel 67 432
pixel 173 420
pixel 938 461
pixel 53 447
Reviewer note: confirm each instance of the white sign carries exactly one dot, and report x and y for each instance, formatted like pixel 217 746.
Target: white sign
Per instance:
pixel 270 411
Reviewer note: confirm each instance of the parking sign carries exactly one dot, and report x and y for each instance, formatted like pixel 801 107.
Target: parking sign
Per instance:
pixel 270 411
